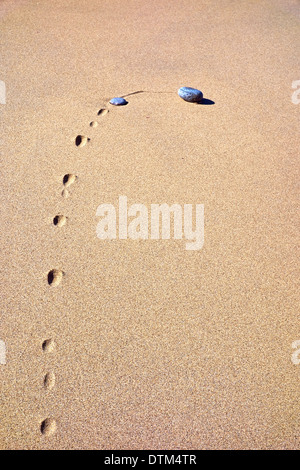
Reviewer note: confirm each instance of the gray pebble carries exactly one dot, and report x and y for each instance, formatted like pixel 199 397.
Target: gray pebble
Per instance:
pixel 190 94
pixel 118 101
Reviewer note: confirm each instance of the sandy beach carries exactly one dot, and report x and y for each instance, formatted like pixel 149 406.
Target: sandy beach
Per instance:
pixel 144 344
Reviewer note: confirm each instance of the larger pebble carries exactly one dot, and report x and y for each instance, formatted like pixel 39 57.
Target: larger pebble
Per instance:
pixel 190 94
pixel 118 101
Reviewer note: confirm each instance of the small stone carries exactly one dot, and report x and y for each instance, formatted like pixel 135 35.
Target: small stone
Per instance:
pixel 118 101
pixel 190 94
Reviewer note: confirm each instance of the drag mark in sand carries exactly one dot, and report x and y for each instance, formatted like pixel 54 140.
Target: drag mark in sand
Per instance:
pixel 203 101
pixel 146 91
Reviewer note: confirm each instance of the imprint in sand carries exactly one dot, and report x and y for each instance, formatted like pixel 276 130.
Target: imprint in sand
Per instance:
pixel 49 380
pixel 54 277
pixel 102 112
pixel 59 220
pixel 48 426
pixel 81 140
pixel 48 345
pixel 69 179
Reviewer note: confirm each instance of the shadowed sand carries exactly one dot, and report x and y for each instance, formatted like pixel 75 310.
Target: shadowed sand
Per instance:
pixel 142 344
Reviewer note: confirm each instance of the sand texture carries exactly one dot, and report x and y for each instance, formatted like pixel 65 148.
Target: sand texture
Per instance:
pixel 142 344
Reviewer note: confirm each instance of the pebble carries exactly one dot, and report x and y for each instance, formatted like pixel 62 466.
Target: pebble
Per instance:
pixel 190 94
pixel 118 101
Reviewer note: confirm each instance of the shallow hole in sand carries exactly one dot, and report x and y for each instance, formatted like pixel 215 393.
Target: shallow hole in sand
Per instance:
pixel 49 380
pixel 102 112
pixel 65 193
pixel 48 426
pixel 54 277
pixel 59 220
pixel 69 179
pixel 48 345
pixel 81 140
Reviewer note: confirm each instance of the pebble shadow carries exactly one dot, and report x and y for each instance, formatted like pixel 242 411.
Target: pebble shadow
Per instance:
pixel 206 102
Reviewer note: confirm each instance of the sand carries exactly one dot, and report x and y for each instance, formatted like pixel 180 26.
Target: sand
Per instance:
pixel 143 344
